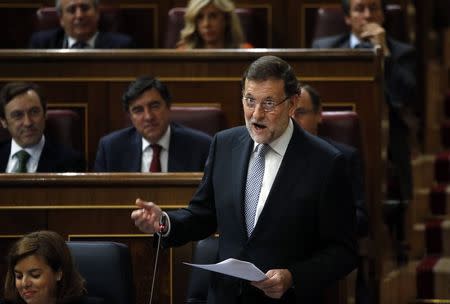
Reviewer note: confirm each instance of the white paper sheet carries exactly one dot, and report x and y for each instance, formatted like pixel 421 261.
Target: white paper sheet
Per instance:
pixel 236 268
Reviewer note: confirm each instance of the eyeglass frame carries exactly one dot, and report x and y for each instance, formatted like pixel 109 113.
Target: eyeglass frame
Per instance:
pixel 262 103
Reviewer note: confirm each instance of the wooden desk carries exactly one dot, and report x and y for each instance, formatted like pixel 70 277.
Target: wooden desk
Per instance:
pixel 98 207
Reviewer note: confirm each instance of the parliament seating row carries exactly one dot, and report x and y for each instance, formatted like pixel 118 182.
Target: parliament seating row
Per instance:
pixel 67 127
pixel 256 22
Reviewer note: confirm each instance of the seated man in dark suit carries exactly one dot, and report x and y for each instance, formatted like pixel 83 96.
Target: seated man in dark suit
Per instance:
pixel 79 29
pixel 22 112
pixel 152 144
pixel 308 114
pixel 365 18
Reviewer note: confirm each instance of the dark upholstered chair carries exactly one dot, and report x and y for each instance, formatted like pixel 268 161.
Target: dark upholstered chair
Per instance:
pixel 253 21
pixel 330 21
pixel 107 269
pixel 204 252
pixel 207 119
pixel 341 126
pixel 63 126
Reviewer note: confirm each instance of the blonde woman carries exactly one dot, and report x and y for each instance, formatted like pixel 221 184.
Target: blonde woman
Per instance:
pixel 211 24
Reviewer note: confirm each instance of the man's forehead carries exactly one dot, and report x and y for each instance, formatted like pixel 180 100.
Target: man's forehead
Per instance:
pixel 76 2
pixel 271 84
pixel 354 2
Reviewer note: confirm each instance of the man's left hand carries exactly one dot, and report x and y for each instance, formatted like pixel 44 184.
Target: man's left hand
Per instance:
pixel 276 284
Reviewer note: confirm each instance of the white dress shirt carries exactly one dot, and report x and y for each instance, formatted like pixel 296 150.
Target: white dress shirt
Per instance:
pixel 90 43
pixel 272 163
pixel 34 151
pixel 147 152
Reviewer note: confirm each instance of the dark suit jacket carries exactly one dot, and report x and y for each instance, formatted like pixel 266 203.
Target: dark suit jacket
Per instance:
pixel 54 158
pixel 54 39
pixel 306 226
pixel 355 174
pixel 400 94
pixel 400 68
pixel 121 151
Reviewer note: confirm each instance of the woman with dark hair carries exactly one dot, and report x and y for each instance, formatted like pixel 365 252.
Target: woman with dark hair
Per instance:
pixel 41 271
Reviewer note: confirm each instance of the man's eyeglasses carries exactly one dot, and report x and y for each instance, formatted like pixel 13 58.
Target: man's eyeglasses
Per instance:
pixel 268 104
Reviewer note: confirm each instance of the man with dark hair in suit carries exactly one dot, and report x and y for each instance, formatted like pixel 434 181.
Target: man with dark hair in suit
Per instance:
pixel 308 114
pixel 365 18
pixel 277 196
pixel 22 112
pixel 79 29
pixel 152 138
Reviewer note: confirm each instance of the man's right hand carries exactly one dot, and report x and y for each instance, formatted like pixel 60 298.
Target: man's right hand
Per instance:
pixel 147 217
pixel 376 34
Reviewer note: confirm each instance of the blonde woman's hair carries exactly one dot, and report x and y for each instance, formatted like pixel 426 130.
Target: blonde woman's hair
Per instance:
pixel 191 39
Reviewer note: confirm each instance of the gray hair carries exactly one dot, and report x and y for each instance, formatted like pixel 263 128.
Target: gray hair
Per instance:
pixel 96 3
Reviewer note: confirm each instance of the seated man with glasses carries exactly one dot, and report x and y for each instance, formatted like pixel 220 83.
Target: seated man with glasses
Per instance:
pixel 79 22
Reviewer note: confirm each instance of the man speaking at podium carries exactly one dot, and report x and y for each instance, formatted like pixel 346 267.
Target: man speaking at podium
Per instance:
pixel 277 196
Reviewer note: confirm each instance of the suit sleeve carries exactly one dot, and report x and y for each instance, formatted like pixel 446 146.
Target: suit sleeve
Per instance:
pixel 100 160
pixel 400 76
pixel 357 181
pixel 198 220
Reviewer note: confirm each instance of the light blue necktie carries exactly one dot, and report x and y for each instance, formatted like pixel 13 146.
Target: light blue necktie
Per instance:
pixel 253 187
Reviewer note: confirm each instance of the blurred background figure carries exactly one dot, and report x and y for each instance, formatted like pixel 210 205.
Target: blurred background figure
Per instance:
pixel 40 270
pixel 23 111
pixel 308 114
pixel 212 24
pixel 79 21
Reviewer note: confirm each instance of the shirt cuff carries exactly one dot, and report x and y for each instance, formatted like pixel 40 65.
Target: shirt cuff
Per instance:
pixel 165 219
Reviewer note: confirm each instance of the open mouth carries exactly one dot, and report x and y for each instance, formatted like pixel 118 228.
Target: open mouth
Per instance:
pixel 259 126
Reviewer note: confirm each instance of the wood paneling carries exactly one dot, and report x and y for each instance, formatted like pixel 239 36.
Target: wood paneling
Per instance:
pixel 98 207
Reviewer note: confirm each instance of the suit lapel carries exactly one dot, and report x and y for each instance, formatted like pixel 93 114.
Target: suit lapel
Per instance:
pixel 240 155
pixel 4 156
pixel 134 162
pixel 46 159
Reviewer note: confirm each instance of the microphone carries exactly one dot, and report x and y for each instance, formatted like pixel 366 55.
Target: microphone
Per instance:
pixel 162 229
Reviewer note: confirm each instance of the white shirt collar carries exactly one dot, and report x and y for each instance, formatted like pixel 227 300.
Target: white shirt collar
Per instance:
pixel 354 40
pixel 91 42
pixel 163 141
pixel 280 144
pixel 34 151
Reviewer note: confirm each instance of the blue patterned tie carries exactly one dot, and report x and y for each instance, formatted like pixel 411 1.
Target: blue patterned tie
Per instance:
pixel 253 187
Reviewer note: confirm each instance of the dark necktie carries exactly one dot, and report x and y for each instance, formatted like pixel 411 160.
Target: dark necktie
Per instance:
pixel 253 187
pixel 79 45
pixel 155 165
pixel 22 157
pixel 364 45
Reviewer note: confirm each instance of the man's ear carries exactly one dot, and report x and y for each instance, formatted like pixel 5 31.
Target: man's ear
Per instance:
pixel 3 121
pixel 320 115
pixel 59 275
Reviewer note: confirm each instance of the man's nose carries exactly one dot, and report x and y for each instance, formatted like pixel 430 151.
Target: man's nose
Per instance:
pixel 367 13
pixel 27 119
pixel 79 12
pixel 258 111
